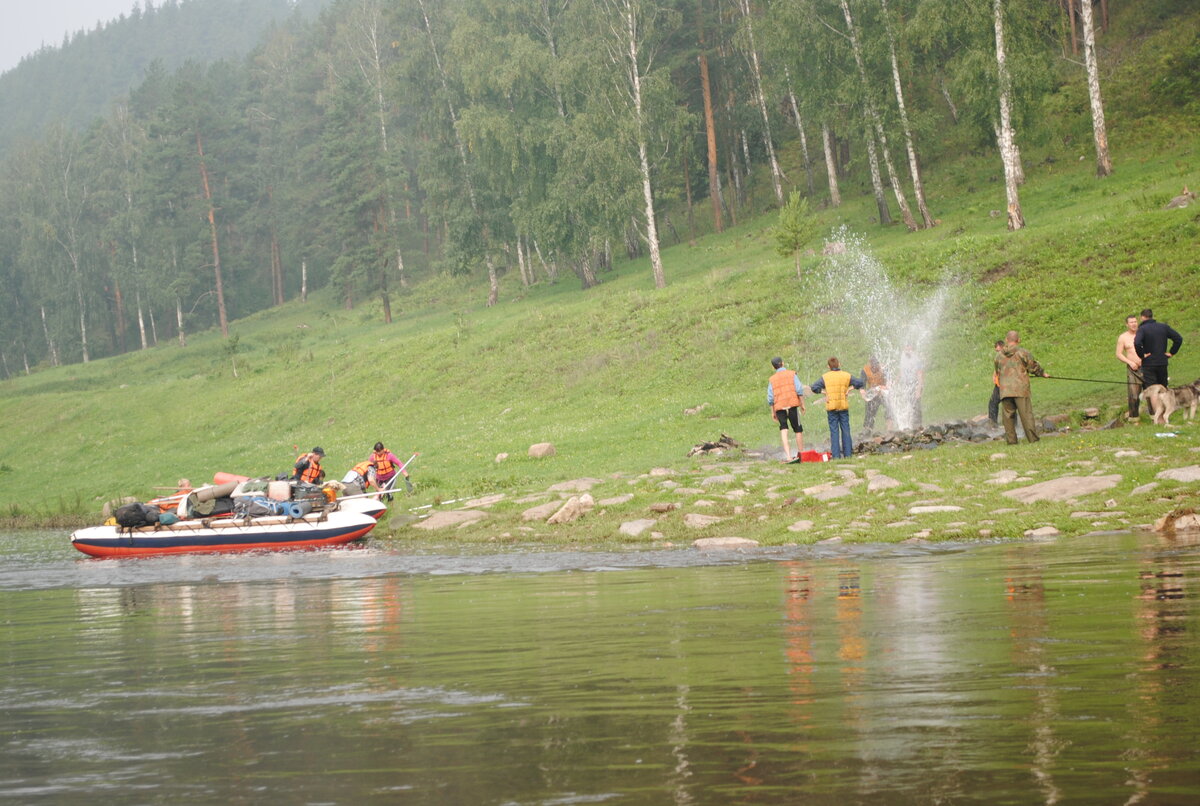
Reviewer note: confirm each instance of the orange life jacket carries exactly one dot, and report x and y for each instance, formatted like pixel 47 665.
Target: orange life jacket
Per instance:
pixel 361 468
pixel 873 378
pixel 312 473
pixel 383 465
pixel 783 385
pixel 837 387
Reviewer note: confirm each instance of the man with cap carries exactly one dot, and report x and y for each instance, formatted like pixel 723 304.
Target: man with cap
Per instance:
pixel 785 394
pixel 308 467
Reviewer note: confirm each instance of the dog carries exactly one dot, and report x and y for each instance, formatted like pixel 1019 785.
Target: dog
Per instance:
pixel 1164 401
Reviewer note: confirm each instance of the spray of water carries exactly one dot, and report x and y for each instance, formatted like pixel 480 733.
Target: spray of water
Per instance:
pixel 898 327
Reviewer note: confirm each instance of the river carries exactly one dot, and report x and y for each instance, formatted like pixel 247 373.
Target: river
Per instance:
pixel 1022 672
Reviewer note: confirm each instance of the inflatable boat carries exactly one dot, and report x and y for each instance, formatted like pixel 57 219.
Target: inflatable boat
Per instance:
pixel 315 530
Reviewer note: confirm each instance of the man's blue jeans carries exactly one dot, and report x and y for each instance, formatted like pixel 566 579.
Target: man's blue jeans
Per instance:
pixel 839 433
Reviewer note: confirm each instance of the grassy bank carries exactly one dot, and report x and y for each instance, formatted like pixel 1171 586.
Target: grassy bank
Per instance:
pixel 607 374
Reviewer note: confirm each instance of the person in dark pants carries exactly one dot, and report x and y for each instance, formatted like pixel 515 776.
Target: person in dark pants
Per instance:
pixel 994 402
pixel 1128 356
pixel 1151 344
pixel 1014 365
pixel 836 384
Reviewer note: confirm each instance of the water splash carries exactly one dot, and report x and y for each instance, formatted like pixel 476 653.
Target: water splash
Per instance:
pixel 897 326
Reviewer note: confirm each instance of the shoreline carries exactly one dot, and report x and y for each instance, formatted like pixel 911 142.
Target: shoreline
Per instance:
pixel 1077 482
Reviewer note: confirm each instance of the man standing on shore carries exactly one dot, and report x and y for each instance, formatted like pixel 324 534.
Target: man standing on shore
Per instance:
pixel 1014 365
pixel 1128 355
pixel 785 394
pixel 836 384
pixel 1150 342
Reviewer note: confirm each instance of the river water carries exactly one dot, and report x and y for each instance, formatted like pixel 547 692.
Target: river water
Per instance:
pixel 1032 672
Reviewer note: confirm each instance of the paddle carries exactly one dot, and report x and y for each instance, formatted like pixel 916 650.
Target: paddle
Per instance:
pixel 400 473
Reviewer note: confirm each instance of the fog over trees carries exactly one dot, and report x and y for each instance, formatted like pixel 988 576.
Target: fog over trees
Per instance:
pixel 378 143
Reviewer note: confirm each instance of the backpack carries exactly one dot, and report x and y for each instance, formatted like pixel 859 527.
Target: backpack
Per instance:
pixel 131 516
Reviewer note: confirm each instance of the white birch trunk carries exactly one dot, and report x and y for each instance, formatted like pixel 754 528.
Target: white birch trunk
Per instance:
pixel 835 195
pixel 493 281
pixel 304 281
pixel 1099 130
pixel 756 73
pixel 50 345
pixel 875 123
pixel 914 167
pixel 141 317
pixel 885 215
pixel 800 128
pixel 1008 148
pixel 370 65
pixel 179 322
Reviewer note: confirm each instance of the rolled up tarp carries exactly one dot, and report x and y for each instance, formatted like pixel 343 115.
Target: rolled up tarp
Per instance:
pixel 221 477
pixel 216 491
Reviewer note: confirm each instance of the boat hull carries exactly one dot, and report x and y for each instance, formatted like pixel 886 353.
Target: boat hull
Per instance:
pixel 271 534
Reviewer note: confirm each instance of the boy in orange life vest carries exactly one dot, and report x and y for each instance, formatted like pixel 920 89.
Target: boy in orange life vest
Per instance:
pixel 836 385
pixel 308 467
pixel 785 394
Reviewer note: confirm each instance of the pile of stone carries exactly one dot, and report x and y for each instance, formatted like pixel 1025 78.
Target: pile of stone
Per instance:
pixel 928 437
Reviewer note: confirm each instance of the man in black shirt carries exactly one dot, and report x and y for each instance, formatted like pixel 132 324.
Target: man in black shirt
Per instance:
pixel 1151 344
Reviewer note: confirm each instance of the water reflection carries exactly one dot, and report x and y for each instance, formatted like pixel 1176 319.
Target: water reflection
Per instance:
pixel 1015 673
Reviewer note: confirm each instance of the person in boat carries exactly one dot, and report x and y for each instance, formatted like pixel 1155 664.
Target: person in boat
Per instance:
pixel 386 466
pixel 308 467
pixel 169 503
pixel 358 478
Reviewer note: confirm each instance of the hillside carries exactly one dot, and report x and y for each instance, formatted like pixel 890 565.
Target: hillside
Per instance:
pixel 607 375
pixel 78 81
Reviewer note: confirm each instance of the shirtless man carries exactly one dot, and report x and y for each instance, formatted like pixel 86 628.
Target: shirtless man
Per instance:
pixel 1127 355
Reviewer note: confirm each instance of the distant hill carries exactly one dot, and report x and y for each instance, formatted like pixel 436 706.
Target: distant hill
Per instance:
pixel 76 82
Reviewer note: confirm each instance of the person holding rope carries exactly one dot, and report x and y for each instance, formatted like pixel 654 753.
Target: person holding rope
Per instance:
pixel 1127 354
pixel 1014 365
pixel 1151 344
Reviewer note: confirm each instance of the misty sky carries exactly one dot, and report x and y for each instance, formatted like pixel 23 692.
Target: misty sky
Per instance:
pixel 25 25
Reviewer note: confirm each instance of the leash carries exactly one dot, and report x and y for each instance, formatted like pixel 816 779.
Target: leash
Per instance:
pixel 1086 380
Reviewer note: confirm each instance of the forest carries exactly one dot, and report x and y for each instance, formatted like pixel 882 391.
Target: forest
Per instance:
pixel 382 143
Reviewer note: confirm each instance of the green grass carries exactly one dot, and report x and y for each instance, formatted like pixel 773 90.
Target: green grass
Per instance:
pixel 607 374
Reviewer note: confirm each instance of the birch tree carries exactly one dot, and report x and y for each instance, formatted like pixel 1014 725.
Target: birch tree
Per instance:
pixel 875 123
pixel 751 49
pixel 627 34
pixel 468 182
pixel 914 166
pixel 1010 156
pixel 1099 130
pixel 65 185
pixel 365 40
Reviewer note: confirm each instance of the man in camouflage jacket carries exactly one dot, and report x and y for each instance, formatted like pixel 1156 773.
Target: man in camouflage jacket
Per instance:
pixel 1014 365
